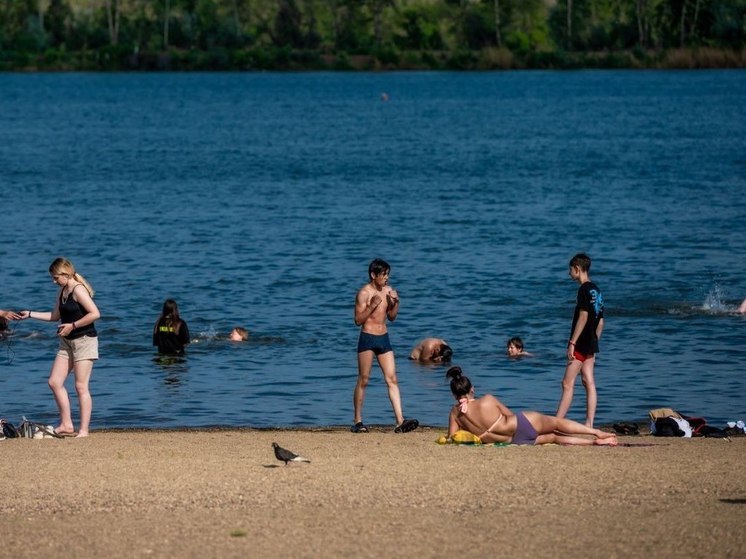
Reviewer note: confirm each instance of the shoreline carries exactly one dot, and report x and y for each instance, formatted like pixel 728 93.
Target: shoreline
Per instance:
pixel 124 58
pixel 222 493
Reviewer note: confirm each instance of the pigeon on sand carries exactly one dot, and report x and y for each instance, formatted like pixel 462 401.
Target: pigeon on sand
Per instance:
pixel 286 456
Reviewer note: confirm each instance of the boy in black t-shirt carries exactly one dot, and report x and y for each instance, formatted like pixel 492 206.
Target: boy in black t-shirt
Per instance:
pixel 587 325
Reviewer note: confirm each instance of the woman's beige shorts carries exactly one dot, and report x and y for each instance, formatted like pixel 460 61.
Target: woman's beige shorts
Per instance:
pixel 79 349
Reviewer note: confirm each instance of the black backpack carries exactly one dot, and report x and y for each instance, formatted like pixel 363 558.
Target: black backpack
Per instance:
pixel 667 427
pixel 9 430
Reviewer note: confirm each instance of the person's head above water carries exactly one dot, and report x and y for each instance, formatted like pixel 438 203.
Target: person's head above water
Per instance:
pixel 460 384
pixel 514 346
pixel 443 353
pixel 239 334
pixel 170 309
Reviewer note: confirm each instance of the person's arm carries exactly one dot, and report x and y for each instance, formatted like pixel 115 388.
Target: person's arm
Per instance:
pixel 392 298
pixel 582 320
pixel 184 333
pixel 416 352
pixel 453 425
pixel 53 316
pixel 10 315
pixel 599 328
pixel 92 313
pixel 365 307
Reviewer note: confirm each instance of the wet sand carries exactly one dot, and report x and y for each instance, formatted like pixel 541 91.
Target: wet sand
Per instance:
pixel 221 493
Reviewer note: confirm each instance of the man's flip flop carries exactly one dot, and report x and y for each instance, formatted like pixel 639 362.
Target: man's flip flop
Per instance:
pixel 359 427
pixel 406 426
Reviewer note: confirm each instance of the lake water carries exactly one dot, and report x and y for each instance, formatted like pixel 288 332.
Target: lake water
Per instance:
pixel 259 200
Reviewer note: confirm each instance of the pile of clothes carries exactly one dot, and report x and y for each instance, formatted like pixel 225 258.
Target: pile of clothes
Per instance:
pixel 666 422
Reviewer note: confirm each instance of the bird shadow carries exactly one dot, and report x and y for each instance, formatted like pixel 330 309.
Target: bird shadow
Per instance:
pixel 270 466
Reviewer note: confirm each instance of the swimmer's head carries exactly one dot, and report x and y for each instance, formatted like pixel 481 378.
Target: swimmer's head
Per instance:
pixel 239 334
pixel 442 353
pixel 514 346
pixel 170 308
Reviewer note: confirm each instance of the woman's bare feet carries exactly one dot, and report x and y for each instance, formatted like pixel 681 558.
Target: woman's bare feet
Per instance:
pixel 608 440
pixel 65 429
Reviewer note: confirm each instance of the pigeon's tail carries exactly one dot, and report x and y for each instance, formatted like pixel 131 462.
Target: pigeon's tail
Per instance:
pixel 301 459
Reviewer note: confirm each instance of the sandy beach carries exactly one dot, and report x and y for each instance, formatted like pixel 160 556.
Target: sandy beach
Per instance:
pixel 222 493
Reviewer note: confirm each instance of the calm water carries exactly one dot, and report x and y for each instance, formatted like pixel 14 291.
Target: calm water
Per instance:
pixel 259 199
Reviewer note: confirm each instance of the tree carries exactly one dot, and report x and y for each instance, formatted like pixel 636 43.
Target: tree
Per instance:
pixel 498 37
pixel 112 18
pixel 166 17
pixel 59 21
pixel 287 28
pixel 377 6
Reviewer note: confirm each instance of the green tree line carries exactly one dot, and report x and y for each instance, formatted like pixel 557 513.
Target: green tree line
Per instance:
pixel 370 34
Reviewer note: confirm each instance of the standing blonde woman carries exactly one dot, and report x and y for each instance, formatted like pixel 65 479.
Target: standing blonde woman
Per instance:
pixel 75 310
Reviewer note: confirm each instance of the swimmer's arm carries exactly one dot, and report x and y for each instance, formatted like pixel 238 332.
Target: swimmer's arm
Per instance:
pixel 392 298
pixel 416 352
pixel 599 328
pixel 365 307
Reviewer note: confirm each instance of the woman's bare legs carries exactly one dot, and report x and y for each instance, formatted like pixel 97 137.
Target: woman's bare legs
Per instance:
pixel 83 370
pixel 560 430
pixel 57 377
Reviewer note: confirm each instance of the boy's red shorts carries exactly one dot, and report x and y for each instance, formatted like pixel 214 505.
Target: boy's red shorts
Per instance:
pixel 581 356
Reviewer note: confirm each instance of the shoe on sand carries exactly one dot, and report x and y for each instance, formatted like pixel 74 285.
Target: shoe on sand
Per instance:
pixel 359 427
pixel 406 426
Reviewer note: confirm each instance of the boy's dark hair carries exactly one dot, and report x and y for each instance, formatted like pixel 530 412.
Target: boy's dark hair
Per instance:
pixel 517 342
pixel 582 261
pixel 445 352
pixel 378 267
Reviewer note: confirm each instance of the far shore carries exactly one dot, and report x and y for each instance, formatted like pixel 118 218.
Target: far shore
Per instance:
pixel 218 492
pixel 127 58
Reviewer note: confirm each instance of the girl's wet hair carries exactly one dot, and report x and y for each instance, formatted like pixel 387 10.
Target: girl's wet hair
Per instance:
pixel 460 383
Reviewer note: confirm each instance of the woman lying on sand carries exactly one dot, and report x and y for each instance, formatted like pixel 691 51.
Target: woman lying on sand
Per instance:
pixel 491 421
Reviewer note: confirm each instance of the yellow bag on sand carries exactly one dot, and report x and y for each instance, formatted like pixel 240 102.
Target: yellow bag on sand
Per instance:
pixel 460 437
pixel 663 412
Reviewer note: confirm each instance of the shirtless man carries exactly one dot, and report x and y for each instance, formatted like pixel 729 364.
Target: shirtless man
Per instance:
pixel 492 421
pixel 375 302
pixel 432 350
